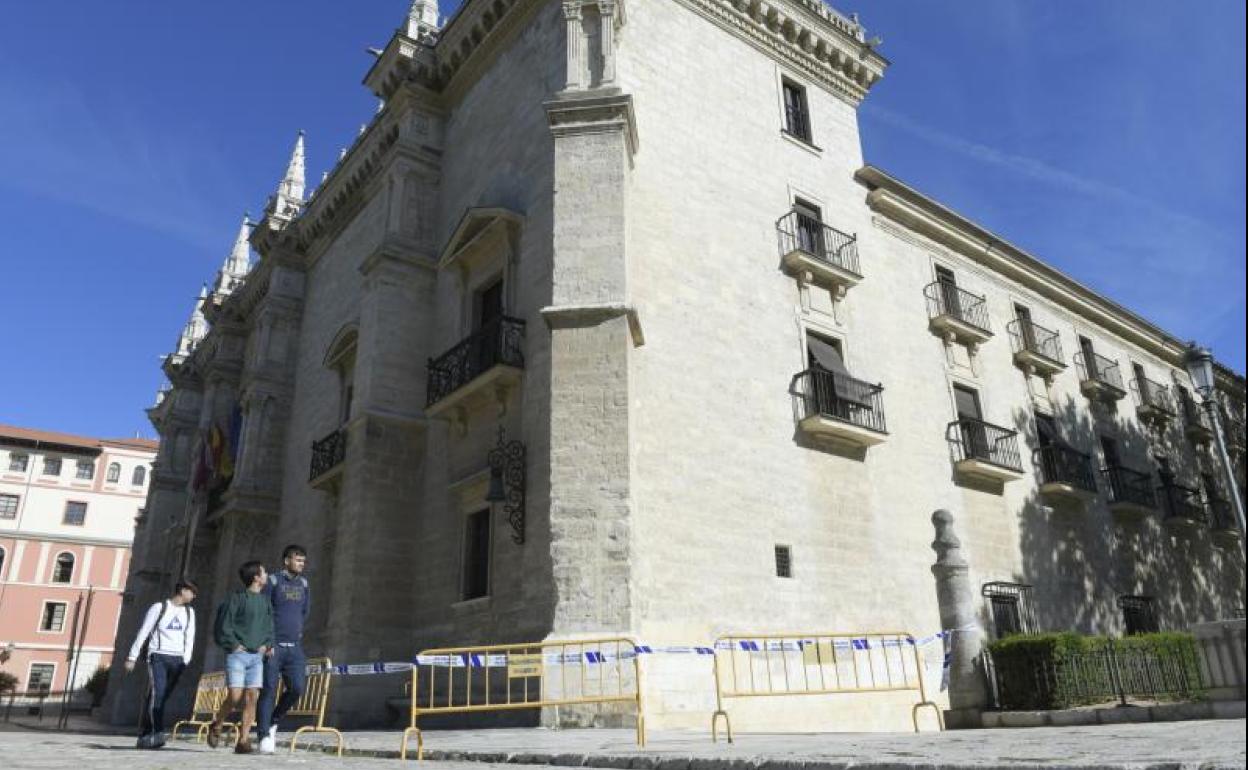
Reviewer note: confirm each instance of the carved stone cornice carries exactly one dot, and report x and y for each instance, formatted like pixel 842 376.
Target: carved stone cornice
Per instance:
pixel 594 112
pixel 805 35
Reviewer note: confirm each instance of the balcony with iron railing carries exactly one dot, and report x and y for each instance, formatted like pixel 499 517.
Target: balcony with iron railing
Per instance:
pixel 983 450
pixel 1036 349
pixel 1183 505
pixel 957 315
pixel 328 455
pixel 1155 404
pixel 1222 520
pixel 489 358
pixel 810 247
pixel 1065 473
pixel 839 408
pixel 1130 491
pixel 1100 378
pixel 1196 422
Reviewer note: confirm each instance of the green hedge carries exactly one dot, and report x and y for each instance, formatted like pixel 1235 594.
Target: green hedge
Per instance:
pixel 1063 670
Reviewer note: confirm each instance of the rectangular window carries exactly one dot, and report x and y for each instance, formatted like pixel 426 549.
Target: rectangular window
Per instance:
pixel 86 470
pixel 53 617
pixel 809 227
pixel 8 506
pixel 1139 614
pixel 796 111
pixel 1046 430
pixel 18 462
pixel 1109 448
pixel 51 466
pixel 41 676
pixel 477 555
pixel 784 561
pixel 489 304
pixel 75 514
pixel 1010 607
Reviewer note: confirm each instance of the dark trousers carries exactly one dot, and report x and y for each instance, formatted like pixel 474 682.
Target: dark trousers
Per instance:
pixel 286 664
pixel 163 672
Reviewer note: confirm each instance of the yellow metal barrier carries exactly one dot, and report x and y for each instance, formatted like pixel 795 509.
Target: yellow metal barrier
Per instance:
pixel 524 676
pixel 313 702
pixel 768 665
pixel 210 693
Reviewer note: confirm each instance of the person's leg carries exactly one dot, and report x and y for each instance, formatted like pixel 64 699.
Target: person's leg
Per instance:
pixel 235 679
pixel 173 672
pixel 253 680
pixel 264 707
pixel 294 675
pixel 163 679
pixel 155 685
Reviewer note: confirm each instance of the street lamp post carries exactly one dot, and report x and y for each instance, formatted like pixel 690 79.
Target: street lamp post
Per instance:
pixel 1199 363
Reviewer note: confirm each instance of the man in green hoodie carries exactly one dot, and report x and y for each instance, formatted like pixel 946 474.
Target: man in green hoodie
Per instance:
pixel 244 629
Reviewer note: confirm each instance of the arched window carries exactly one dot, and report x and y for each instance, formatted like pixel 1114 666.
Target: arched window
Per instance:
pixel 140 476
pixel 114 473
pixel 63 572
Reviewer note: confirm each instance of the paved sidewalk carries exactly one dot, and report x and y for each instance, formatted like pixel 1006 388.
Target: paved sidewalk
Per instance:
pixel 1195 744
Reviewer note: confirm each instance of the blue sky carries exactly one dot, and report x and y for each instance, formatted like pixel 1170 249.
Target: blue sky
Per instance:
pixel 1106 137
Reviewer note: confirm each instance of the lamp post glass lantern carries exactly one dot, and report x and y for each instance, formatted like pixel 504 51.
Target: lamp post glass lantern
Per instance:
pixel 1199 363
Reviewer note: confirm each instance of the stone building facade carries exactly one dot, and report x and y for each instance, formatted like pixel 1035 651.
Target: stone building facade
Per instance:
pixel 743 366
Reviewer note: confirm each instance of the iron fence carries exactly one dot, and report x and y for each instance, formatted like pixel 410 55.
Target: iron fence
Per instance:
pixel 1222 515
pixel 974 439
pixel 1066 465
pixel 946 299
pixel 840 397
pixel 1154 394
pixel 1034 338
pixel 328 453
pixel 1182 502
pixel 1098 368
pixel 1112 673
pixel 498 342
pixel 799 231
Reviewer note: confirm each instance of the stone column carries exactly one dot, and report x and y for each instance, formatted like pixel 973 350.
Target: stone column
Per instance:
pixel 967 692
pixel 607 10
pixel 572 14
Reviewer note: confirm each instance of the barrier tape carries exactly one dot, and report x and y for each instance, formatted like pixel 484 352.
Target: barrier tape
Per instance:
pixel 480 660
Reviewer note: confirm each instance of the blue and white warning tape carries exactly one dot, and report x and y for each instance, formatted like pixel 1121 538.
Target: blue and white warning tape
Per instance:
pixel 594 657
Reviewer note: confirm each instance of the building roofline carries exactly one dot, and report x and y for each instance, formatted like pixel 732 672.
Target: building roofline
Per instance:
pixel 897 200
pixel 68 442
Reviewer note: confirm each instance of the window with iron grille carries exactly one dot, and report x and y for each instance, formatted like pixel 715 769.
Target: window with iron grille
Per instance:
pixel 796 111
pixel 41 675
pixel 51 466
pixel 784 561
pixel 86 470
pixel 53 617
pixel 75 514
pixel 1010 606
pixel 1139 614
pixel 8 506
pixel 18 462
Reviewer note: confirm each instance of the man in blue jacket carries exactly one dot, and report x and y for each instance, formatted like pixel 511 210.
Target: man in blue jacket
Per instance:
pixel 288 592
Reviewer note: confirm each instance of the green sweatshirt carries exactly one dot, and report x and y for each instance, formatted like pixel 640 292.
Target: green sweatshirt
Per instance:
pixel 244 619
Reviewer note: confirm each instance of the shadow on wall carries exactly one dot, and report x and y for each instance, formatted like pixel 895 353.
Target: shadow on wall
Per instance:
pixel 1080 557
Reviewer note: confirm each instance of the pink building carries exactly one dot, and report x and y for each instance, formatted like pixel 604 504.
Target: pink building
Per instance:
pixel 68 506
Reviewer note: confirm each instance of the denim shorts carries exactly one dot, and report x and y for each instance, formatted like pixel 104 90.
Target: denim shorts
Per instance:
pixel 244 670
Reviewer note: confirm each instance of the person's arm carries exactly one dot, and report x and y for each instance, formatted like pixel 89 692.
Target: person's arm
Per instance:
pixel 149 623
pixel 190 636
pixel 307 599
pixel 227 633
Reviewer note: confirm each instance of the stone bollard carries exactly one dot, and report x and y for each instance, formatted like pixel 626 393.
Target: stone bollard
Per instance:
pixel 968 693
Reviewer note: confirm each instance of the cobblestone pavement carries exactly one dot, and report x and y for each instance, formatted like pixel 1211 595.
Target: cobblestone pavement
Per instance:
pixel 1169 745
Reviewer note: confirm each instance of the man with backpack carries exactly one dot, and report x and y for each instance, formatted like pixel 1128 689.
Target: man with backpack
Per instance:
pixel 244 629
pixel 165 642
pixel 288 595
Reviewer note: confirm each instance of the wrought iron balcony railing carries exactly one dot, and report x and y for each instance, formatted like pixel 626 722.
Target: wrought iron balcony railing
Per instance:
pixel 1182 502
pixel 1130 487
pixel 946 299
pixel 1066 465
pixel 1034 338
pixel 1098 368
pixel 801 232
pixel 500 342
pixel 1195 417
pixel 328 453
pixel 840 397
pixel 973 439
pixel 1222 515
pixel 1153 395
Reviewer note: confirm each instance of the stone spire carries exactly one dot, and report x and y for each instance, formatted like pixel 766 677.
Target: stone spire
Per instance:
pixel 237 264
pixel 285 204
pixel 422 19
pixel 195 330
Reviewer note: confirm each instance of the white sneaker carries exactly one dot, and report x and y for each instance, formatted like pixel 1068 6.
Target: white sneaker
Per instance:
pixel 267 744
